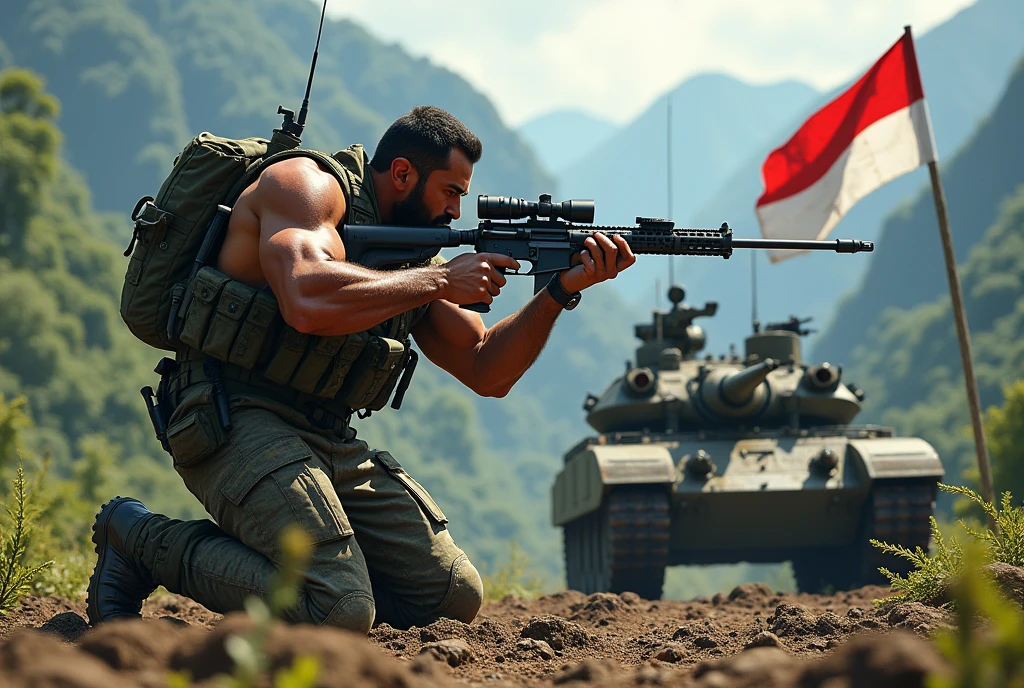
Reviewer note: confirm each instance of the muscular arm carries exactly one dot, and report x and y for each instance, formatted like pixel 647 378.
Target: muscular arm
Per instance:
pixel 303 259
pixel 488 361
pixel 491 361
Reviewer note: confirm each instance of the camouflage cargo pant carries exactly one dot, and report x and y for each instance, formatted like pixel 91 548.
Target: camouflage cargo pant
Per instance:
pixel 380 546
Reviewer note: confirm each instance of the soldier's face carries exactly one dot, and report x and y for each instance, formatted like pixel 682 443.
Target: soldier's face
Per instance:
pixel 437 200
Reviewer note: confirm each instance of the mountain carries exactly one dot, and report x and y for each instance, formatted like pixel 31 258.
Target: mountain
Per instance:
pixel 138 78
pixel 965 63
pixel 716 120
pixel 559 138
pixel 977 179
pixel 909 362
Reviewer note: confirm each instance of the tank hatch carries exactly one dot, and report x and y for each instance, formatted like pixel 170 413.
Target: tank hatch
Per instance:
pixel 673 330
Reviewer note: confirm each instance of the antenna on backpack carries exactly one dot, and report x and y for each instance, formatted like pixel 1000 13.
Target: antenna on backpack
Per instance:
pixel 290 126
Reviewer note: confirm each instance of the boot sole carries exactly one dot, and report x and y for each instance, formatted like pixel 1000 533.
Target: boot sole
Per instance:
pixel 99 538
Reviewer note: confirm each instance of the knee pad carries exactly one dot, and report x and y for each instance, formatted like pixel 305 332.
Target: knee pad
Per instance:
pixel 465 592
pixel 355 612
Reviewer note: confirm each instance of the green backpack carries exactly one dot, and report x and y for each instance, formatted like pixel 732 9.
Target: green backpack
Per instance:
pixel 170 230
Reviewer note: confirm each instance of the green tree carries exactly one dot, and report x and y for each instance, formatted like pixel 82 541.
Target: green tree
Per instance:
pixel 1004 427
pixel 29 144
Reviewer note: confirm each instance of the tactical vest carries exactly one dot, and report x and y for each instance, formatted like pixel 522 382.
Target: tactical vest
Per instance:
pixel 242 327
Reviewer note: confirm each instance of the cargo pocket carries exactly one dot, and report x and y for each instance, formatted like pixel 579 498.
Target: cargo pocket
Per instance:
pixel 282 483
pixel 426 502
pixel 289 352
pixel 342 364
pixel 254 334
pixel 371 372
pixel 195 437
pixel 205 291
pixel 316 362
pixel 226 325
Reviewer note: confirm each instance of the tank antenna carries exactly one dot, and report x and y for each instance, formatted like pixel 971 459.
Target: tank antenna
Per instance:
pixel 753 293
pixel 668 176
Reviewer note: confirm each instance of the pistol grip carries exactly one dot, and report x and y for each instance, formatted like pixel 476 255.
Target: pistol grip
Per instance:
pixel 477 307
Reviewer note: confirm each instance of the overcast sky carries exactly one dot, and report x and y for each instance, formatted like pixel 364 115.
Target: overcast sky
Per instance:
pixel 613 57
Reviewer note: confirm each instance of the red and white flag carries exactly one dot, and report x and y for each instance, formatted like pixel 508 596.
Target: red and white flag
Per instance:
pixel 875 131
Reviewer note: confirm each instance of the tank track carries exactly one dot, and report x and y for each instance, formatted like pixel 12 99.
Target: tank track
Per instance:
pixel 898 513
pixel 623 546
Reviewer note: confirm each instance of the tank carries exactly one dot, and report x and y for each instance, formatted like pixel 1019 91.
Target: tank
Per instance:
pixel 748 457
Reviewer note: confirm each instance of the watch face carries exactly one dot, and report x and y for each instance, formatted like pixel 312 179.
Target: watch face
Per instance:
pixel 573 301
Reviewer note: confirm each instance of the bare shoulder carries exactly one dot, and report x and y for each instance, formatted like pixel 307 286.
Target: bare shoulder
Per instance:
pixel 299 189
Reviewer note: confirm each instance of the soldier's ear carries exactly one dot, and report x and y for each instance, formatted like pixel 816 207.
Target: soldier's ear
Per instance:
pixel 403 175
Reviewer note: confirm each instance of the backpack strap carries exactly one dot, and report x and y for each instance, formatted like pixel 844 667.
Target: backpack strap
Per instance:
pixel 361 208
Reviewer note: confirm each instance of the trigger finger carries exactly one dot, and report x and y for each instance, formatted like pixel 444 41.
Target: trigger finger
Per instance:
pixel 498 278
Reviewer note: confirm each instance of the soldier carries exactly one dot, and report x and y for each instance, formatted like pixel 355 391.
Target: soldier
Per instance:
pixel 380 546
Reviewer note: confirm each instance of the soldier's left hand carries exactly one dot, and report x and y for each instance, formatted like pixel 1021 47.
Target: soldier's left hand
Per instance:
pixel 602 258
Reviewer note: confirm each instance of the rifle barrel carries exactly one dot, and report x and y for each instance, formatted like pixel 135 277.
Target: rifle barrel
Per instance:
pixel 837 245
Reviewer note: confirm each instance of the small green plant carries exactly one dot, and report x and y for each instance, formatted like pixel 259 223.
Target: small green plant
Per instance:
pixel 1006 543
pixel 512 578
pixel 981 655
pixel 933 575
pixel 249 650
pixel 15 576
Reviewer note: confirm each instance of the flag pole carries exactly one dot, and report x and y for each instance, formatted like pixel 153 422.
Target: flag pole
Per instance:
pixel 963 334
pixel 962 331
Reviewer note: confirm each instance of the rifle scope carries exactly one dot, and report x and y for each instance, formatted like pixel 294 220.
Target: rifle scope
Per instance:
pixel 506 208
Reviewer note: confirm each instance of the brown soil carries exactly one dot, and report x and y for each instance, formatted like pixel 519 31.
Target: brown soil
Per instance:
pixel 749 637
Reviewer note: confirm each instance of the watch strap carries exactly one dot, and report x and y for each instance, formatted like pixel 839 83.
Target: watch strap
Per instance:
pixel 560 295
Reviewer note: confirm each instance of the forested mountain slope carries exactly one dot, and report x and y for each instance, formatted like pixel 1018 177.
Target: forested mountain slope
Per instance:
pixel 909 363
pixel 137 78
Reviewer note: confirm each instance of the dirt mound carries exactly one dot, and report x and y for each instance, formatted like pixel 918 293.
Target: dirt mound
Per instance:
pixel 123 652
pixel 556 632
pixel 565 638
pixel 897 660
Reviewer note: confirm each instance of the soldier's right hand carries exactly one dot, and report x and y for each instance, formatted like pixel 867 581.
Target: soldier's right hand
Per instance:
pixel 475 277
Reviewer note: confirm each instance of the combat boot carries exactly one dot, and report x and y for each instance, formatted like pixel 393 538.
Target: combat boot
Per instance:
pixel 118 585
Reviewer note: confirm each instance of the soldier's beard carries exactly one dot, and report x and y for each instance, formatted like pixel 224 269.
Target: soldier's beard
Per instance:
pixel 413 212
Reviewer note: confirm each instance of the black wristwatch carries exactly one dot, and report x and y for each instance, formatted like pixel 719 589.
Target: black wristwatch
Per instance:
pixel 561 296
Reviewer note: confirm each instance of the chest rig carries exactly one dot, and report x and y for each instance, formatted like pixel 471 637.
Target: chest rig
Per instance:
pixel 234 331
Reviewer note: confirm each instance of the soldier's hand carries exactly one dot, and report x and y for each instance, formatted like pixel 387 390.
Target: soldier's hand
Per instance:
pixel 602 258
pixel 475 278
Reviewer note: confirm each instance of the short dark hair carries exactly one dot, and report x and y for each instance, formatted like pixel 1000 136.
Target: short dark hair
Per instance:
pixel 425 137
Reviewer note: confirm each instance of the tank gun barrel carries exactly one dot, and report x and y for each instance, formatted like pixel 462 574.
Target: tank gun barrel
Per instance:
pixel 739 387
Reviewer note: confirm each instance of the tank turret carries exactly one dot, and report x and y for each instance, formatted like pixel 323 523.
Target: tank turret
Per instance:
pixel 668 389
pixel 752 457
pixel 736 393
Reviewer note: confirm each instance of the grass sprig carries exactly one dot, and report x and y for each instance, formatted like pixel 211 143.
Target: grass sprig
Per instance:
pixel 15 576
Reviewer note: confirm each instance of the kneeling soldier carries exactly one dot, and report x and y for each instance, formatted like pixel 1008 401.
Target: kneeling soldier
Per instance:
pixel 381 550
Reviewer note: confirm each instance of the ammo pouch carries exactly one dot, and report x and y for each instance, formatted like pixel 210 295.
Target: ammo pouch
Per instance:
pixel 241 325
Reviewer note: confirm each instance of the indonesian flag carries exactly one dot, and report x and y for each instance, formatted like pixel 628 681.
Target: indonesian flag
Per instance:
pixel 874 132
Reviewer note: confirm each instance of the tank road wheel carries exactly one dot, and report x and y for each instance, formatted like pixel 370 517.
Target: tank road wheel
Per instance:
pixel 623 546
pixel 896 513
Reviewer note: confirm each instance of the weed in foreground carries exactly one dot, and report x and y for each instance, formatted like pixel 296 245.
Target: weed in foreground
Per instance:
pixel 934 575
pixel 249 650
pixel 990 654
pixel 15 575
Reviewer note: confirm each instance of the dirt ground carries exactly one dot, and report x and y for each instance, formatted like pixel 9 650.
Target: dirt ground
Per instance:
pixel 751 636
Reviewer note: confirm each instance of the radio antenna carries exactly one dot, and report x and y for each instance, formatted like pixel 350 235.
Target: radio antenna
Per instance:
pixel 668 178
pixel 290 124
pixel 312 67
